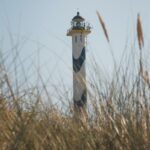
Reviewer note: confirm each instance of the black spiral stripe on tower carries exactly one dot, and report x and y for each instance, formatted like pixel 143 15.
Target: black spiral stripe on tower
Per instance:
pixel 77 63
pixel 82 102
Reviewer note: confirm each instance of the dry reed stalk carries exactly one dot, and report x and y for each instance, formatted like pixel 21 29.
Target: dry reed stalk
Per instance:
pixel 103 25
pixel 140 32
pixel 141 71
pixel 145 77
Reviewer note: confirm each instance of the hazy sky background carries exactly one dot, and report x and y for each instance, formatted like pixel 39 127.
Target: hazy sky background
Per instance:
pixel 40 26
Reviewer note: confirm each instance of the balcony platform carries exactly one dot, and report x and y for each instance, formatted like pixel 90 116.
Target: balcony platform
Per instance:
pixel 72 31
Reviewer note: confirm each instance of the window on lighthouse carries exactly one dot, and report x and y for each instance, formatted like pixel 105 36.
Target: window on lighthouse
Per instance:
pixel 76 39
pixel 81 37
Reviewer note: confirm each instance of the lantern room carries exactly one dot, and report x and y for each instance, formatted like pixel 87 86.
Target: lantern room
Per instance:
pixel 78 24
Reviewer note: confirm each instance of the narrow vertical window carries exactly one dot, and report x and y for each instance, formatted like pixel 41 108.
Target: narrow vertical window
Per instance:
pixel 81 37
pixel 76 39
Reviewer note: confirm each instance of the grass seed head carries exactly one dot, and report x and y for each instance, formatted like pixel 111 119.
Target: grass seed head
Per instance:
pixel 103 25
pixel 140 32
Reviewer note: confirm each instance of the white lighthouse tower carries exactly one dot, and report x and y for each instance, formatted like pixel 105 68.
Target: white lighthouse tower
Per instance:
pixel 79 31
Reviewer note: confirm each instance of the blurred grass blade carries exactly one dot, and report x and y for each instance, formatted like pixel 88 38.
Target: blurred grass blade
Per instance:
pixel 140 32
pixel 103 25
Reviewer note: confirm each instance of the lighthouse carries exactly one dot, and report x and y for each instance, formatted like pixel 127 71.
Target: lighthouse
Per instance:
pixel 79 31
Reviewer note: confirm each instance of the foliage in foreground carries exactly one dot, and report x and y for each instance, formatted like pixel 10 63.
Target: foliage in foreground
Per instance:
pixel 106 128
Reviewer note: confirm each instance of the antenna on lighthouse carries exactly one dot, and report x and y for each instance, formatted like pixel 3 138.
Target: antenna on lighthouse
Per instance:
pixel 79 31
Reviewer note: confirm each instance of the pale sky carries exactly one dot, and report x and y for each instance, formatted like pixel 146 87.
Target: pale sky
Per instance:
pixel 40 26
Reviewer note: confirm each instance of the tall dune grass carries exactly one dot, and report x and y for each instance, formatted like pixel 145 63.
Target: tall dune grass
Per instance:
pixel 118 113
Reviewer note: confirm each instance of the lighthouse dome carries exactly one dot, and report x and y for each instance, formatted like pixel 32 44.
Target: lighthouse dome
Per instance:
pixel 78 18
